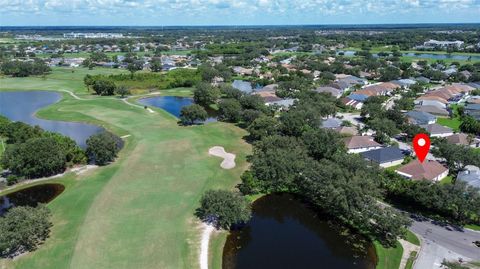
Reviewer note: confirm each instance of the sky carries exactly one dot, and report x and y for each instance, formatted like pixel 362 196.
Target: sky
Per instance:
pixel 234 12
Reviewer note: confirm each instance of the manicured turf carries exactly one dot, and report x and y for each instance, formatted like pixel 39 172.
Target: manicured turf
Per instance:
pixel 137 212
pixel 452 123
pixel 410 260
pixel 412 238
pixel 388 258
pixel 473 227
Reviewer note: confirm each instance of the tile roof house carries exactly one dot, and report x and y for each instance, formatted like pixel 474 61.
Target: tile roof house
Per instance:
pixel 437 130
pixel 331 123
pixel 429 170
pixel 471 175
pixel 473 110
pixel 357 144
pixel 420 117
pixel 353 103
pixel 331 90
pixel 385 157
pixel 346 130
pixel 433 110
pixel 464 140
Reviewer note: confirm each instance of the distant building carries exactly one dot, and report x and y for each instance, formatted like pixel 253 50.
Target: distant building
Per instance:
pixel 437 130
pixel 429 170
pixel 92 35
pixel 443 44
pixel 421 118
pixel 385 157
pixel 358 144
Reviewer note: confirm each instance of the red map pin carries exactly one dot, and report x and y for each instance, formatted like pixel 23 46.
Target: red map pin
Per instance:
pixel 421 145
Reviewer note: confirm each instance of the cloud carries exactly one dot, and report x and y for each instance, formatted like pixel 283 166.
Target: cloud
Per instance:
pixel 290 11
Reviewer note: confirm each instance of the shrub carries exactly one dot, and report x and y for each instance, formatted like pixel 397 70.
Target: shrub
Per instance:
pixel 22 229
pixel 102 148
pixel 37 157
pixel 192 113
pixel 223 209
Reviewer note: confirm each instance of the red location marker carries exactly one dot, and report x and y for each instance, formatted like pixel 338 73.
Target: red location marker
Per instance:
pixel 421 145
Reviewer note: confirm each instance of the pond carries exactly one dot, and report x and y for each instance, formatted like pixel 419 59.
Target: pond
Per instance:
pixel 32 196
pixel 285 233
pixel 22 105
pixel 244 86
pixel 425 55
pixel 173 105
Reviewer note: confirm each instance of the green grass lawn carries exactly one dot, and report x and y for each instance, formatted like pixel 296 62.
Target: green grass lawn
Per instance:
pixel 412 238
pixel 411 259
pixel 447 180
pixel 138 211
pixel 451 123
pixel 388 258
pixel 473 227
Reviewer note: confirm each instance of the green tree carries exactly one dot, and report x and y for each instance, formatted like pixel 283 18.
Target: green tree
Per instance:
pixel 205 95
pixel 230 110
pixel 37 157
pixel 323 143
pixel 156 66
pixel 104 87
pixel 470 125
pixel 389 73
pixel 122 91
pixel 134 67
pixel 22 229
pixel 223 209
pixel 263 126
pixel 102 148
pixel 192 113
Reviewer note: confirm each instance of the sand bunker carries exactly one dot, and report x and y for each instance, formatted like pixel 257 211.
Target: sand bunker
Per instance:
pixel 228 158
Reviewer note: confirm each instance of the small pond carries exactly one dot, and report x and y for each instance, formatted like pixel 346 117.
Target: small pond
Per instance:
pixel 22 105
pixel 30 196
pixel 425 55
pixel 285 233
pixel 173 105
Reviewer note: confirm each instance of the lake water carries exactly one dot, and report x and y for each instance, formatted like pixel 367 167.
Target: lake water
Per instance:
pixel 22 105
pixel 32 196
pixel 285 233
pixel 245 86
pixel 426 56
pixel 173 105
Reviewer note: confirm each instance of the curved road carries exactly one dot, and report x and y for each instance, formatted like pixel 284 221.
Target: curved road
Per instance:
pixel 444 242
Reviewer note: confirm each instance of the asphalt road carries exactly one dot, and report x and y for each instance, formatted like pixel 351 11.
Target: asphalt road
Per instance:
pixel 444 242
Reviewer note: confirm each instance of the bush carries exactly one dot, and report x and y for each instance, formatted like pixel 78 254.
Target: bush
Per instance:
pixel 37 157
pixel 22 229
pixel 223 209
pixel 102 148
pixel 104 87
pixel 230 110
pixel 192 113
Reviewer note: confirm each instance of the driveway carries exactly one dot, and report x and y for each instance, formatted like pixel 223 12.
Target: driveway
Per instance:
pixel 444 242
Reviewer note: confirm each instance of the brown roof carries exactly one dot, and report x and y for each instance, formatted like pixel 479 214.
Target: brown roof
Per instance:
pixel 460 139
pixel 346 130
pixel 426 170
pixel 355 142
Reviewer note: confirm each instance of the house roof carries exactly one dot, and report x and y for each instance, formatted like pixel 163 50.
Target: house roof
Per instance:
pixel 331 123
pixel 426 170
pixel 358 97
pixel 384 155
pixel 436 128
pixel 421 116
pixel 346 130
pixel 471 175
pixel 327 89
pixel 355 142
pixel 433 110
pixel 458 139
pixel 472 107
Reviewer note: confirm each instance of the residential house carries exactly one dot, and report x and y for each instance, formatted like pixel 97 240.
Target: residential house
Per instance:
pixel 358 144
pixel 471 175
pixel 331 123
pixel 428 170
pixel 385 157
pixel 464 140
pixel 346 130
pixel 355 100
pixel 406 83
pixel 437 130
pixel 331 90
pixel 473 110
pixel 420 117
pixel 435 110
